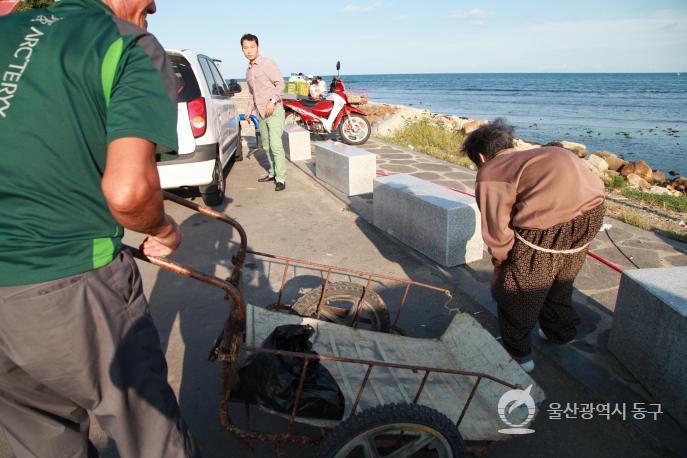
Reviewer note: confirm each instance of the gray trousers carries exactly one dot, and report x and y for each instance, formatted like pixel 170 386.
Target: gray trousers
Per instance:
pixel 86 343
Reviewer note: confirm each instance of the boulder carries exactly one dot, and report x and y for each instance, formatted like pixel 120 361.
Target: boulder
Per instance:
pixel 595 171
pixel 405 115
pixel 473 125
pixel 680 184
pixel 660 191
pixel 574 147
pixel 577 148
pixel 639 168
pixel 598 162
pixel 612 173
pixel 659 176
pixel 521 145
pixel 635 181
pixel 613 161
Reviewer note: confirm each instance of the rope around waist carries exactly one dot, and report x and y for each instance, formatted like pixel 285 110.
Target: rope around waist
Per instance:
pixel 548 250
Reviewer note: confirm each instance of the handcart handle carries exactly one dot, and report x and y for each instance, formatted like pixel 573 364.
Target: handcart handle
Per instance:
pixel 238 259
pixel 178 268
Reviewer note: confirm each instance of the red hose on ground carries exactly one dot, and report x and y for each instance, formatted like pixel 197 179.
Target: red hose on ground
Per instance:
pixel 589 253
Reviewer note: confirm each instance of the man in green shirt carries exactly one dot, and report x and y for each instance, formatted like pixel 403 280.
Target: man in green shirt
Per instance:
pixel 85 95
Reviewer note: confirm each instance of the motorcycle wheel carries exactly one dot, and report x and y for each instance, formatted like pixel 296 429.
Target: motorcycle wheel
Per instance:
pixel 354 129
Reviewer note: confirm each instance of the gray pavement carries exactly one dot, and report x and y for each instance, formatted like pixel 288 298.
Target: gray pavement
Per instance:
pixel 311 222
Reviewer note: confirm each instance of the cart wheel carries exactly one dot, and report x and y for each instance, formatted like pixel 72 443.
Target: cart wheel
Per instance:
pixel 341 303
pixel 394 430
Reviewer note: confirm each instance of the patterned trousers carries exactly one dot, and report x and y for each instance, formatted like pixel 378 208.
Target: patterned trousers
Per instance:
pixel 532 285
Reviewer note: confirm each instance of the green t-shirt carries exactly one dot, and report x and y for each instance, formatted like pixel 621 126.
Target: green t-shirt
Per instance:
pixel 72 78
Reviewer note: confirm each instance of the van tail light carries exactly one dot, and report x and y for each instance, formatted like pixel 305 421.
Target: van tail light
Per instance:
pixel 198 116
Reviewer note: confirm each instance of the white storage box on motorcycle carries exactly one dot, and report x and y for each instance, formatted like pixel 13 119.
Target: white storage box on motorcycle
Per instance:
pixel 349 169
pixel 296 142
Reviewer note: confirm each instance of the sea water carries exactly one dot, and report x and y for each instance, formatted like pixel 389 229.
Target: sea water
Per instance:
pixel 638 116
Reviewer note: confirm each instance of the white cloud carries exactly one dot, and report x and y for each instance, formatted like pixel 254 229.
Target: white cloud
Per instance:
pixel 351 8
pixel 472 14
pixel 631 33
pixel 652 43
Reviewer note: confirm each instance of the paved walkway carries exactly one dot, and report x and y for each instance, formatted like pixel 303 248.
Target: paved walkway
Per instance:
pixel 587 359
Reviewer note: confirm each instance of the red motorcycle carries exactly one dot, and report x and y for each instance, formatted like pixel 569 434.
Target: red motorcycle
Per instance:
pixel 333 113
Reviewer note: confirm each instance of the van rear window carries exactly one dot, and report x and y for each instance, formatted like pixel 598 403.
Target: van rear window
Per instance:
pixel 187 89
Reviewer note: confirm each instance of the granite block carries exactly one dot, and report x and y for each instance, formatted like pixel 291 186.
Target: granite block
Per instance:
pixel 441 224
pixel 349 169
pixel 296 142
pixel 649 334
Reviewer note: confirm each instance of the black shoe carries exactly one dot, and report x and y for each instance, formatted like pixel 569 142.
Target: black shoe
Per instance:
pixel 279 186
pixel 265 179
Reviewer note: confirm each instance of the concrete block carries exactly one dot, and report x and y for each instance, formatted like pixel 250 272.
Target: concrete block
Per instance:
pixel 347 168
pixel 296 142
pixel 649 334
pixel 441 224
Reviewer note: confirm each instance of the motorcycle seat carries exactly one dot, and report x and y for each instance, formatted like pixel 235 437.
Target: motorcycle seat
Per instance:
pixel 308 102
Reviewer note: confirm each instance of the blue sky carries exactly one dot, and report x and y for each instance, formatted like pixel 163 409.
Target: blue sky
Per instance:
pixel 405 36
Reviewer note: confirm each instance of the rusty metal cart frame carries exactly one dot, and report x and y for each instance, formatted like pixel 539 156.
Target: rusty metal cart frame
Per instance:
pixel 232 339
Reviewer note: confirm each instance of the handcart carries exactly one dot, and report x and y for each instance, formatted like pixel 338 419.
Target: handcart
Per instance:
pixel 404 396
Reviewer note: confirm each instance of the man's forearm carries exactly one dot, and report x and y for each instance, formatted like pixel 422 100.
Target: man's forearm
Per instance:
pixel 132 187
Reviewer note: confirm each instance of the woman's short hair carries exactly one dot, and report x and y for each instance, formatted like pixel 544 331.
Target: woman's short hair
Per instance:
pixel 488 140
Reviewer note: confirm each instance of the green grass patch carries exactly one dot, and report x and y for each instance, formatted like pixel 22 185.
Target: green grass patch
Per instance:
pixel 635 219
pixel 433 139
pixel 673 203
pixel 614 182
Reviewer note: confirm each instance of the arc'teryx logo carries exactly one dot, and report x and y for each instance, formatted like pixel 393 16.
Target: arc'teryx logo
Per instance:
pixel 9 84
pixel 45 20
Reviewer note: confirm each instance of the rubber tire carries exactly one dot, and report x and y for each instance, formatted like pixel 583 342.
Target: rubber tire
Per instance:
pixel 212 194
pixel 339 130
pixel 306 305
pixel 386 414
pixel 238 155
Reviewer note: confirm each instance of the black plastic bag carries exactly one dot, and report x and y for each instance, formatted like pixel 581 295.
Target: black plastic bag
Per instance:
pixel 272 380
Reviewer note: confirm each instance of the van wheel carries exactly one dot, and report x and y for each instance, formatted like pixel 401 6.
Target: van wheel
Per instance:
pixel 213 193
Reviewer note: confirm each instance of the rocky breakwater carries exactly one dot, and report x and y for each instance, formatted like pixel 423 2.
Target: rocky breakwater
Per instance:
pixel 397 116
pixel 639 174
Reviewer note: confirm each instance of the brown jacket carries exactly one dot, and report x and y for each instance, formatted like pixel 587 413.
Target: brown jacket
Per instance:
pixel 533 189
